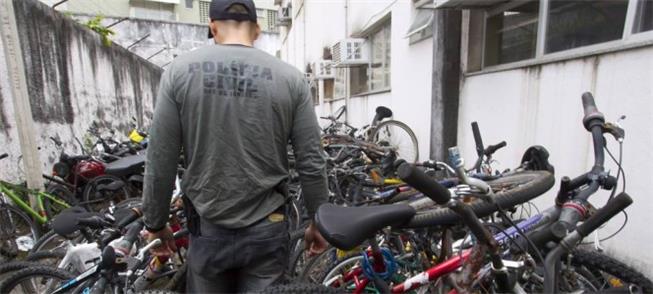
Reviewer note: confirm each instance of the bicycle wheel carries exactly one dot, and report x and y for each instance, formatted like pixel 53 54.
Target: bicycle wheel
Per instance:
pixel 17 232
pixel 95 200
pixel 61 193
pixel 607 272
pixel 511 190
pixel 399 136
pixel 53 242
pixel 50 258
pixel 35 279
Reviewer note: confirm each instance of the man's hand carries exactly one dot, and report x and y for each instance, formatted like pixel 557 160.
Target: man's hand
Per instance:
pixel 167 247
pixel 315 243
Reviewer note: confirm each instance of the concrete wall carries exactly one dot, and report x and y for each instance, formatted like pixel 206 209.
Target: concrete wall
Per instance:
pixel 72 80
pixel 319 24
pixel 171 37
pixel 542 105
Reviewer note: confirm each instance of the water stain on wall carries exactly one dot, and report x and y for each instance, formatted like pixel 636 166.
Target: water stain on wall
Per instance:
pixel 4 124
pixel 48 39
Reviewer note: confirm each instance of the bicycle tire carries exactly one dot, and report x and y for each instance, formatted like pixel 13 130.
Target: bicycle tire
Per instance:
pixel 8 235
pixel 40 257
pixel 49 238
pixel 296 246
pixel 407 129
pixel 596 262
pixel 300 288
pixel 93 204
pixel 60 192
pixel 531 185
pixel 13 280
pixel 12 266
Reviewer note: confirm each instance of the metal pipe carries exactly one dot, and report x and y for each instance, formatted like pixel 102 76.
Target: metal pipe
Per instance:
pixel 117 22
pixel 138 41
pixel 157 53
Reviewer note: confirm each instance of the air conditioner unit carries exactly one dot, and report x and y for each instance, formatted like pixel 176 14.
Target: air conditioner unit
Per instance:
pixel 351 52
pixel 285 16
pixel 323 69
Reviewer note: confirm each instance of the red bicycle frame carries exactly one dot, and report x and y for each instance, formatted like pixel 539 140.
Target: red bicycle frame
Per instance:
pixel 411 283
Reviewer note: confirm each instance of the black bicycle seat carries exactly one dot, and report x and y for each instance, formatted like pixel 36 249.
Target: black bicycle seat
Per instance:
pixel 347 227
pixel 65 223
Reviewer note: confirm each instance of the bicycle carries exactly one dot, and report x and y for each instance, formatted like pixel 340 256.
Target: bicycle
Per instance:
pixel 21 224
pixel 389 133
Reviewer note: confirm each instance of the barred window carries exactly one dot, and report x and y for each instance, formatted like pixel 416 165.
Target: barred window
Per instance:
pixel 272 20
pixel 204 11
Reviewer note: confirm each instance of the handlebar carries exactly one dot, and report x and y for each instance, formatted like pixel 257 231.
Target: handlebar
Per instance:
pixel 4 155
pixel 478 140
pixel 493 148
pixel 423 183
pixel 612 208
pixel 592 115
pixel 134 214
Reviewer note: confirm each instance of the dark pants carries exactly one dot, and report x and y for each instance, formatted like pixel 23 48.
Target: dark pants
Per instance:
pixel 237 260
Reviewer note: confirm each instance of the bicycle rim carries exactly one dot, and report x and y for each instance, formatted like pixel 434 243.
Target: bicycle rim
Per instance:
pixel 398 136
pixel 17 232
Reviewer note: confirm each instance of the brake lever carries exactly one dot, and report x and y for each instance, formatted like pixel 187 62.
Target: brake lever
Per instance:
pixel 615 130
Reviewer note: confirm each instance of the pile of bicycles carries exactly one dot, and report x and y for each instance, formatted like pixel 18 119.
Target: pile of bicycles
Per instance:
pixel 395 225
pixel 474 230
pixel 107 172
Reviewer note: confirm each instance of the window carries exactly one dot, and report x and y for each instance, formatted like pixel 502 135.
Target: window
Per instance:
pixel 502 32
pixel 189 3
pixel 316 97
pixel 272 20
pixel 511 34
pixel 328 89
pixel 205 6
pixel 154 10
pixel 374 76
pixel 644 20
pixel 339 84
pixel 574 24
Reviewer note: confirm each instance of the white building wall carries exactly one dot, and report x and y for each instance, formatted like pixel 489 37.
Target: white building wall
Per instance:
pixel 541 105
pixel 319 24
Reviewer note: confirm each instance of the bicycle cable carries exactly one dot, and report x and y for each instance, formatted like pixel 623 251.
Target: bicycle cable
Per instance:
pixel 621 173
pixel 519 231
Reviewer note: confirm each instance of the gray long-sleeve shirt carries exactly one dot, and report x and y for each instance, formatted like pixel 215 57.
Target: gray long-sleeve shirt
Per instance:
pixel 233 109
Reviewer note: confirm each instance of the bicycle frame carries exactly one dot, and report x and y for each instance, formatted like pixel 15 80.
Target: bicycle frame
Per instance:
pixel 452 264
pixel 40 216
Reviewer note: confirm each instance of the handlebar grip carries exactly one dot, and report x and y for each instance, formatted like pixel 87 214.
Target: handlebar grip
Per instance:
pixel 478 139
pixel 4 155
pixel 591 112
pixel 604 214
pixel 133 215
pixel 133 231
pixel 423 183
pixel 493 148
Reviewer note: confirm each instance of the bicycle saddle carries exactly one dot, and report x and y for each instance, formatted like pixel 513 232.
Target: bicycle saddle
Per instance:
pixel 65 223
pixel 347 227
pixel 126 165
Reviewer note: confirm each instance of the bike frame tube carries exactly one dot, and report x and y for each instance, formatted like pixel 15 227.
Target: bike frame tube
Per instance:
pixel 452 264
pixel 24 206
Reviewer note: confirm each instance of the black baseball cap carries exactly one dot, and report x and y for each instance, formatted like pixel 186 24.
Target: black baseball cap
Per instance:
pixel 219 11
